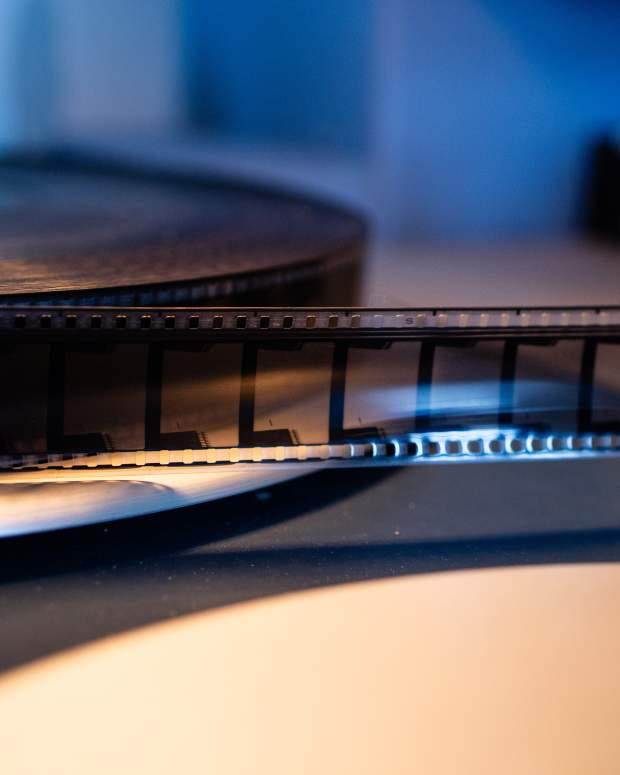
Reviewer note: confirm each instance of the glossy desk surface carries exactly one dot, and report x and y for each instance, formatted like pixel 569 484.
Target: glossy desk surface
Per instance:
pixel 514 666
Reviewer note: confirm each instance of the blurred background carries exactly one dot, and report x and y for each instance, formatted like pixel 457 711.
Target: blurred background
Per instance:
pixel 451 121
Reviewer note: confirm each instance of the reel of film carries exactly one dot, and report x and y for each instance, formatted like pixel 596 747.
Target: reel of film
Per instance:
pixel 117 361
pixel 81 232
pixel 75 231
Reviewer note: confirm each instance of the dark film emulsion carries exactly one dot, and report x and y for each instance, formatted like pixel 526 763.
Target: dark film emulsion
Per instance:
pixel 547 386
pixel 376 390
pixel 24 372
pixel 101 402
pixel 200 389
pixel 567 386
pixel 603 412
pixel 462 386
pixel 90 398
pixel 292 395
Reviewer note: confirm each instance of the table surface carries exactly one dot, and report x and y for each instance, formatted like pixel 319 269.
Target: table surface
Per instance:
pixel 503 670
pixel 73 586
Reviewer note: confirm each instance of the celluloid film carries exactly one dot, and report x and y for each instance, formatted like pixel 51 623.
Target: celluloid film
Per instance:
pixel 104 360
pixel 90 398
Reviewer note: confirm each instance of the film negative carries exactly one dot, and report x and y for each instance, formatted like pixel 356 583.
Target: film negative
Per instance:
pixel 116 354
pixel 199 386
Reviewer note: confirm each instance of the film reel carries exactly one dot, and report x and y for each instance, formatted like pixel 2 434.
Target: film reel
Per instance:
pixel 81 232
pixel 75 231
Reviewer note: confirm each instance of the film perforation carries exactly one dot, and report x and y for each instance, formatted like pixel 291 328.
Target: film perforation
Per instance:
pixel 320 319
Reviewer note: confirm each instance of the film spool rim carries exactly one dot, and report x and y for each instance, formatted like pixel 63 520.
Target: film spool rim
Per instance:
pixel 304 238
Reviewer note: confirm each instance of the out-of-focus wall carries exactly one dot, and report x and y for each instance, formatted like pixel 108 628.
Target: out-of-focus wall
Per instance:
pixel 466 119
pixel 475 117
pixel 486 111
pixel 73 67
pixel 295 72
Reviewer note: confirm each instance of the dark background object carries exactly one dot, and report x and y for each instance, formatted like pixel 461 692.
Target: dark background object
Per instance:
pixel 603 206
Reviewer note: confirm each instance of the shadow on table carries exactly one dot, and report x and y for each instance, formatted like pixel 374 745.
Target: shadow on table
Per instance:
pixel 72 586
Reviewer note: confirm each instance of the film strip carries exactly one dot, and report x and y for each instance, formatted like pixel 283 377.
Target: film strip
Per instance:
pixel 101 366
pixel 125 386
